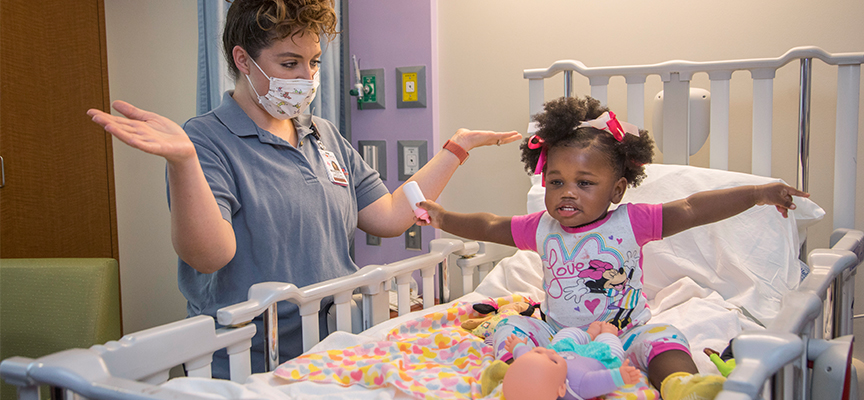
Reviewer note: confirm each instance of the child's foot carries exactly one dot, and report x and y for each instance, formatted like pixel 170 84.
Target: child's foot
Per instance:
pixel 684 386
pixel 594 329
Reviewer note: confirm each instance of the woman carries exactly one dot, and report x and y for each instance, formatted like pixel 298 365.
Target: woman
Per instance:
pixel 253 190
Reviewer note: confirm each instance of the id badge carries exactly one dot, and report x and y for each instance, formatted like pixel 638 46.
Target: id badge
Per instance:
pixel 334 171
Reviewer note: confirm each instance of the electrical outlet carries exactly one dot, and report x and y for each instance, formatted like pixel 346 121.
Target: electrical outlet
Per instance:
pixel 372 240
pixel 412 238
pixel 411 157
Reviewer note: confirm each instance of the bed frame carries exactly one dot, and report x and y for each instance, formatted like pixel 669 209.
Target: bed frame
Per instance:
pixel 814 325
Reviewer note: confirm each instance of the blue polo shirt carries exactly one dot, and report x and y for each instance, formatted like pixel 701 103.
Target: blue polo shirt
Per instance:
pixel 291 223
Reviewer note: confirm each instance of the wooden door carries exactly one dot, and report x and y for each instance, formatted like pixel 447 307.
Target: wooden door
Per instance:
pixel 58 198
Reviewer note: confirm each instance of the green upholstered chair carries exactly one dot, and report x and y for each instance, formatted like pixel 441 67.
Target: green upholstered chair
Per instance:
pixel 53 304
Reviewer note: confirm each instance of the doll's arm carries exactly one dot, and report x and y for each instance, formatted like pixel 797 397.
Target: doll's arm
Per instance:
pixel 629 374
pixel 589 384
pixel 513 342
pixel 716 205
pixel 477 226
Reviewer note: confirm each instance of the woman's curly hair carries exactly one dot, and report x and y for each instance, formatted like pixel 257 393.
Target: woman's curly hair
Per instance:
pixel 255 24
pixel 557 126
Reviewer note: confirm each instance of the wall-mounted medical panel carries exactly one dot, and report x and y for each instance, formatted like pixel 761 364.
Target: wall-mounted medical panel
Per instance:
pixel 374 152
pixel 412 87
pixel 373 89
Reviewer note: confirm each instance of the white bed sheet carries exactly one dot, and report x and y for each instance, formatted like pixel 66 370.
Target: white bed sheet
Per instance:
pixel 701 314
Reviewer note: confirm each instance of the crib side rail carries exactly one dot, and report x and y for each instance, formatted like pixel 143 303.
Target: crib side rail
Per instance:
pixel 372 281
pixel 482 258
pixel 134 366
pixel 802 334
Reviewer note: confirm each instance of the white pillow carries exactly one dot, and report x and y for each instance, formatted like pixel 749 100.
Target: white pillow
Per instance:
pixel 750 259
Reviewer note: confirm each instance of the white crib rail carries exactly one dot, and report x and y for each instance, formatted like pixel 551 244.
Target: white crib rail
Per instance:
pixel 676 76
pixel 131 367
pixel 371 280
pixel 802 333
pixel 481 256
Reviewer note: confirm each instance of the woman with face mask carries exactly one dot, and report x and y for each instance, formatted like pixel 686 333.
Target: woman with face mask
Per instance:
pixel 260 190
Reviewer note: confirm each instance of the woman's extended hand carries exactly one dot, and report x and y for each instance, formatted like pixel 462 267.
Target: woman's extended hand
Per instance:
pixel 146 131
pixel 469 139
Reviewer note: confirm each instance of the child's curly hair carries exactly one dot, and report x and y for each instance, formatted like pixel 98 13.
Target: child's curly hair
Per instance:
pixel 558 127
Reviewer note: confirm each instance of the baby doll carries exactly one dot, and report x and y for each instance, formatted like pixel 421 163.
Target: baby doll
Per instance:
pixel 591 254
pixel 576 365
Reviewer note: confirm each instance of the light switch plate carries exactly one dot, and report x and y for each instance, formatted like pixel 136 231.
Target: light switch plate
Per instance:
pixel 411 155
pixel 413 240
pixel 411 83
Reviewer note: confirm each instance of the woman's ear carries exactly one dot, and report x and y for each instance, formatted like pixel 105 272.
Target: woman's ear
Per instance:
pixel 618 190
pixel 241 59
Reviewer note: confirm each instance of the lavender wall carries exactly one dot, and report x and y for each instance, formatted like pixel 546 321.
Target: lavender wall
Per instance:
pixel 389 34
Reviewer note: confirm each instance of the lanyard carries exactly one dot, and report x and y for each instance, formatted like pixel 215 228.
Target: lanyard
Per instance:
pixel 317 136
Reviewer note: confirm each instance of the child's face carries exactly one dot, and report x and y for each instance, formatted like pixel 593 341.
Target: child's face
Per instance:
pixel 580 185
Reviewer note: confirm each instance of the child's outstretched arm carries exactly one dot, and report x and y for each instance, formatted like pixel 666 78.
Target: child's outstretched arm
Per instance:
pixel 477 226
pixel 716 205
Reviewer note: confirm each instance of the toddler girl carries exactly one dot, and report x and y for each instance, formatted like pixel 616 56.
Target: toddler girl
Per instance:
pixel 592 266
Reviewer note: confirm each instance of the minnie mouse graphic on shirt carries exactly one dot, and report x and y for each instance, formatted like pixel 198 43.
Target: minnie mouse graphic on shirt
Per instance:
pixel 602 277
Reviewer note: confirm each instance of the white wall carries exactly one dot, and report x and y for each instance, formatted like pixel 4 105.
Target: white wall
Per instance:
pixel 485 44
pixel 152 60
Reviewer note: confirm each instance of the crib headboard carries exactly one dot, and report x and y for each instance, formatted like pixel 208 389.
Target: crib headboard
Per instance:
pixel 676 76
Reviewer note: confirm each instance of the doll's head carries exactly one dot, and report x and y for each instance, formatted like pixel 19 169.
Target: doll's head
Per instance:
pixel 538 374
pixel 587 163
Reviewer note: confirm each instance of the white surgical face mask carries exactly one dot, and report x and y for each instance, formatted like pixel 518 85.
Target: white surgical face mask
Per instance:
pixel 287 98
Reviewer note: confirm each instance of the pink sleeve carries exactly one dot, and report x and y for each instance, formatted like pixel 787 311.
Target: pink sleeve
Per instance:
pixel 647 222
pixel 524 230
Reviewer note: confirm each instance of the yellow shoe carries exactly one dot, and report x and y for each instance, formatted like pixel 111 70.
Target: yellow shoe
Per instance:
pixel 684 386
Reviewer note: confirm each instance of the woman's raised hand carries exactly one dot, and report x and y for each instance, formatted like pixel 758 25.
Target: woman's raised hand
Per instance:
pixel 469 139
pixel 146 131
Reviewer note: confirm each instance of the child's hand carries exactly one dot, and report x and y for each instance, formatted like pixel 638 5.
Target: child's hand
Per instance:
pixel 512 341
pixel 629 374
pixel 435 212
pixel 779 195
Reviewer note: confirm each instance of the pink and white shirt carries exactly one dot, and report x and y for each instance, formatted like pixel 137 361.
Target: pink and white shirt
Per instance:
pixel 593 272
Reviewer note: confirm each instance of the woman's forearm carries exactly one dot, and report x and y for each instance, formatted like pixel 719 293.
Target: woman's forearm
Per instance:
pixel 201 237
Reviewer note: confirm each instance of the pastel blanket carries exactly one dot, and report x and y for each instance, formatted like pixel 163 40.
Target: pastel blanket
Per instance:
pixel 426 358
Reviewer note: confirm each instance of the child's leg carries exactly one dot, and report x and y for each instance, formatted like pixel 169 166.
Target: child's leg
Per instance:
pixel 536 331
pixel 664 353
pixel 643 343
pixel 667 363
